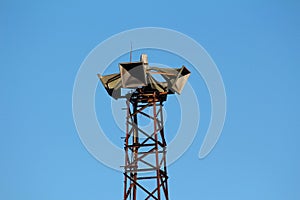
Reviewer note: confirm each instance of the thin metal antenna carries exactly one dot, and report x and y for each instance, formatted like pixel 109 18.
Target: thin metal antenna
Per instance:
pixel 130 51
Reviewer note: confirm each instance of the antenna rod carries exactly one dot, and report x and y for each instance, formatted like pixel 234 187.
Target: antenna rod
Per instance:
pixel 130 51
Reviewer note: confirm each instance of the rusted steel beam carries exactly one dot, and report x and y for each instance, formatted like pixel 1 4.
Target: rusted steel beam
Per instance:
pixel 139 152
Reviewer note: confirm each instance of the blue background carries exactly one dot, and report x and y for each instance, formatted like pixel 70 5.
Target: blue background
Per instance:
pixel 255 45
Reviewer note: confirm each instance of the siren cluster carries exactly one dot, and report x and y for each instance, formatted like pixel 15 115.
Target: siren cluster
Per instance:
pixel 139 75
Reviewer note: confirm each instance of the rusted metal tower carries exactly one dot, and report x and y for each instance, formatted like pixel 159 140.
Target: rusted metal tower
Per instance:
pixel 145 168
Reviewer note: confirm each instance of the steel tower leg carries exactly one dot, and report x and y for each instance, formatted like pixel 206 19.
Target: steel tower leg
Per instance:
pixel 145 169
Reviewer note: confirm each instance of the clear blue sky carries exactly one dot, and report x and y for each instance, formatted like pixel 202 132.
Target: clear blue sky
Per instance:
pixel 255 45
